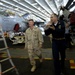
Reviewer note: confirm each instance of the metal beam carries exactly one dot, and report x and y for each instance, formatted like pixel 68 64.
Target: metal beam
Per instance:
pixel 49 6
pixel 42 6
pixel 55 5
pixel 71 6
pixel 68 3
pixel 35 7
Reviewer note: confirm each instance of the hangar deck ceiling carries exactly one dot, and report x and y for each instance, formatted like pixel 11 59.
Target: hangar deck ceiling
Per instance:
pixel 40 8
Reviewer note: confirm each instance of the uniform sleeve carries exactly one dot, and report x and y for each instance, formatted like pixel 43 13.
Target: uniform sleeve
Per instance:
pixel 26 39
pixel 40 37
pixel 48 31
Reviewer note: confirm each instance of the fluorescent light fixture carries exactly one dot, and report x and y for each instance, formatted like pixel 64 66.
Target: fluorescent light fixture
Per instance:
pixel 34 4
pixel 65 2
pixel 16 9
pixel 1 3
pixel 72 9
pixel 11 16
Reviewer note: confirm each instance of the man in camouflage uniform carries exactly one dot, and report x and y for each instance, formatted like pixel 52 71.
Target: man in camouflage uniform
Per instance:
pixel 33 43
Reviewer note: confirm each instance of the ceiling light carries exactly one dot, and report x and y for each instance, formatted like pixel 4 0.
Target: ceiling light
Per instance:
pixel 34 4
pixel 11 16
pixel 1 3
pixel 72 9
pixel 16 9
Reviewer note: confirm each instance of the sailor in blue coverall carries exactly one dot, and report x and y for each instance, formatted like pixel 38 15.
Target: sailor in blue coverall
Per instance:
pixel 57 29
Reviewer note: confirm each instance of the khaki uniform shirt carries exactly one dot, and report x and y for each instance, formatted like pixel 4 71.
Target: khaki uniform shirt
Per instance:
pixel 33 38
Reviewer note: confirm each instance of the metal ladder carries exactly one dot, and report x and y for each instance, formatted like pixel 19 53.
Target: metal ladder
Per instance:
pixel 2 38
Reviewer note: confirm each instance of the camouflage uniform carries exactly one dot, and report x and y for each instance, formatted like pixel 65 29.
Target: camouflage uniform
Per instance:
pixel 33 39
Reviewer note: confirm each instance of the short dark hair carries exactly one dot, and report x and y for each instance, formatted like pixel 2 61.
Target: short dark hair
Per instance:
pixel 31 20
pixel 55 15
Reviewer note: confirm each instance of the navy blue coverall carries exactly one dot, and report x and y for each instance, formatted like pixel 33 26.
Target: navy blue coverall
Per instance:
pixel 58 45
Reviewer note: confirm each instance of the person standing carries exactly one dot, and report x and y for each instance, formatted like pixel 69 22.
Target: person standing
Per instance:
pixel 67 35
pixel 33 43
pixel 57 29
